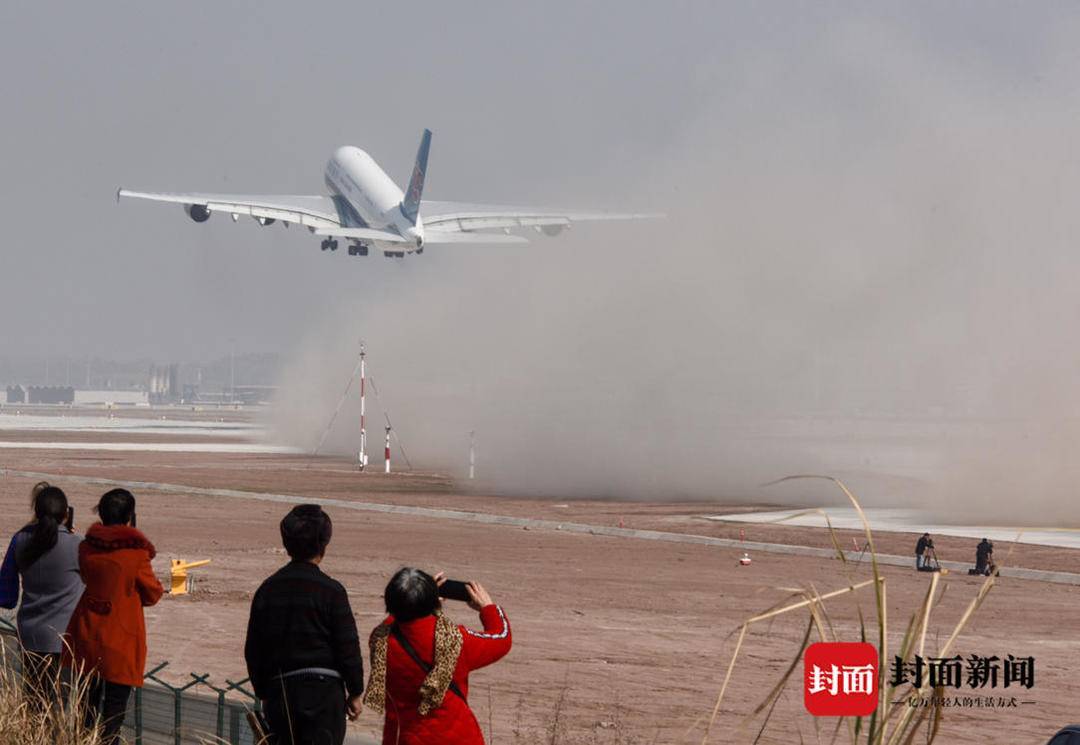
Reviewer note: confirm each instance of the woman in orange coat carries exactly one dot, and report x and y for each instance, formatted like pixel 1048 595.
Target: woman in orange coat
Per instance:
pixel 107 632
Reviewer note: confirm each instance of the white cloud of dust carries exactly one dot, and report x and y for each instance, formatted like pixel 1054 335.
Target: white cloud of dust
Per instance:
pixel 868 269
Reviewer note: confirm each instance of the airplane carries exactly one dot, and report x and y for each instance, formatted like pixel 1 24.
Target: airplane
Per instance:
pixel 368 210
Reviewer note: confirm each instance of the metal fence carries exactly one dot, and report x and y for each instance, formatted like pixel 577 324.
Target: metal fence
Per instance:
pixel 163 713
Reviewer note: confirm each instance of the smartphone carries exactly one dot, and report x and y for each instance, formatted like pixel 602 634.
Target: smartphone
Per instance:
pixel 453 589
pixel 69 523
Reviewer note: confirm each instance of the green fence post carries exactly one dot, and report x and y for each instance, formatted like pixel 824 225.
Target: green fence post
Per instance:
pixel 220 708
pixel 178 698
pixel 138 703
pixel 238 686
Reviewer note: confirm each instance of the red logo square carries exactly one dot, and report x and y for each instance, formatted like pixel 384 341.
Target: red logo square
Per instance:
pixel 840 679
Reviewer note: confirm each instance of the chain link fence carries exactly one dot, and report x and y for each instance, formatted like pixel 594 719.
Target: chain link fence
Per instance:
pixel 162 713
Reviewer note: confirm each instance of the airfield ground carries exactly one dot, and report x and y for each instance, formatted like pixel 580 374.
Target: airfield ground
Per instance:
pixel 616 640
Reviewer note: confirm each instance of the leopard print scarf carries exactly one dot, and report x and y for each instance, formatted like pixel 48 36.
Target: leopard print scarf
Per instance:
pixel 437 682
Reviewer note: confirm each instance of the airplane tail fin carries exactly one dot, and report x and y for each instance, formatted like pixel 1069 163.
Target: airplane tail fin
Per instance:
pixel 410 206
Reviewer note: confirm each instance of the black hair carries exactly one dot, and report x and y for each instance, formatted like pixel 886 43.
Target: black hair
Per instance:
pixel 50 507
pixel 411 594
pixel 116 507
pixel 306 532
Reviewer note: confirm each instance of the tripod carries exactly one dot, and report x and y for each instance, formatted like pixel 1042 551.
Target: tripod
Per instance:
pixel 931 563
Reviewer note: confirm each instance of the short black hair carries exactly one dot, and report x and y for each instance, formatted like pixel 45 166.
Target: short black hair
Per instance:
pixel 116 507
pixel 411 594
pixel 306 532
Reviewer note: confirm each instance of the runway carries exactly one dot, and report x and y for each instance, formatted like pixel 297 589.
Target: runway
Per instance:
pixel 907 521
pixel 156 447
pixel 126 425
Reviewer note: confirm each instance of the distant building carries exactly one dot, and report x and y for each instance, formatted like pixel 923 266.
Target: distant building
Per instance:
pixel 50 394
pixel 190 394
pixel 163 384
pixel 112 398
pixel 16 394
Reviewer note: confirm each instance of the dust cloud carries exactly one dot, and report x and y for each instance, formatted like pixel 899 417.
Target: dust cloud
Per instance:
pixel 872 276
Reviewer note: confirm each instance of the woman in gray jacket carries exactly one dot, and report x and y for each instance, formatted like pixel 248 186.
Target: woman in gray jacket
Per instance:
pixel 44 555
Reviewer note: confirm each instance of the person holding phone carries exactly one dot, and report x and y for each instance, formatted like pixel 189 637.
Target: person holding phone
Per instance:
pixel 44 558
pixel 420 660
pixel 107 632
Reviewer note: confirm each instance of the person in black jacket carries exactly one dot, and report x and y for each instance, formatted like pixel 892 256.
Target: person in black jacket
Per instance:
pixel 984 552
pixel 921 557
pixel 302 648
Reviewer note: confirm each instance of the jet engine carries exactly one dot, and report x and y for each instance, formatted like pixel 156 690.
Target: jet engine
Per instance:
pixel 197 212
pixel 551 230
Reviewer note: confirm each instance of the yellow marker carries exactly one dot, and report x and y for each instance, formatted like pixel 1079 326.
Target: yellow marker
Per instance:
pixel 179 575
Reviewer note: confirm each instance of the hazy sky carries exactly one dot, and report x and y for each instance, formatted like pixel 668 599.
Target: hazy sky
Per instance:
pixel 544 105
pixel 871 208
pixel 548 103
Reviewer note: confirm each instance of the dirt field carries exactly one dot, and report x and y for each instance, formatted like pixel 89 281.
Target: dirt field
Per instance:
pixel 616 640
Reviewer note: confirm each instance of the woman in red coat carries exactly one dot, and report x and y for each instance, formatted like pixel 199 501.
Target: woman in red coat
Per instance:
pixel 420 662
pixel 107 632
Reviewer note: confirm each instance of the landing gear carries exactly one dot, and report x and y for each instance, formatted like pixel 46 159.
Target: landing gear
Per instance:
pixel 394 254
pixel 358 249
pixel 329 245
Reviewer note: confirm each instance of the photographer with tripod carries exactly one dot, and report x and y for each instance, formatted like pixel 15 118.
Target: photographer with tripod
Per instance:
pixel 921 554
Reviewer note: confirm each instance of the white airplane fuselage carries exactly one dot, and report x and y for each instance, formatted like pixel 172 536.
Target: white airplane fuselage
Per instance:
pixel 354 175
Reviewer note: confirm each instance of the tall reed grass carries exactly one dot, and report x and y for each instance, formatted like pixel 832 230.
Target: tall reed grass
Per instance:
pixel 890 724
pixel 47 714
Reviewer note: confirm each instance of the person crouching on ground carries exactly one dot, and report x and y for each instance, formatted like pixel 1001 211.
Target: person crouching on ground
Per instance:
pixel 45 556
pixel 107 632
pixel 302 649
pixel 420 662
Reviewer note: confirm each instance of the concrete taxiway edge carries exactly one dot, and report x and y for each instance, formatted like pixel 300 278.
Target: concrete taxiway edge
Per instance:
pixel 1039 575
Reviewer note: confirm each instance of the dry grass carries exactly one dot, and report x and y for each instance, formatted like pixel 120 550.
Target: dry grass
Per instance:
pixel 36 717
pixel 888 725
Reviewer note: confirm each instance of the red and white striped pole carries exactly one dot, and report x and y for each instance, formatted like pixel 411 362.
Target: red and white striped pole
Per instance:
pixel 388 449
pixel 362 455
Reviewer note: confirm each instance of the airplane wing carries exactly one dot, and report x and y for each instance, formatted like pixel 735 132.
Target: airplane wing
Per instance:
pixel 460 217
pixel 434 237
pixel 311 211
